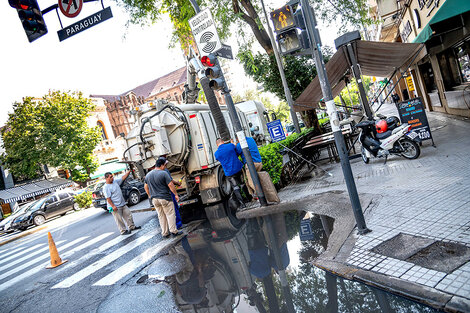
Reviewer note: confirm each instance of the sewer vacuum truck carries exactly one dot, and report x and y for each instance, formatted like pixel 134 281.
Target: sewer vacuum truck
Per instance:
pixel 186 135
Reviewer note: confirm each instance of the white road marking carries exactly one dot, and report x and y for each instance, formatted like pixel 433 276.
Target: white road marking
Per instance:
pixel 87 271
pixel 38 268
pixel 36 251
pixel 39 258
pixel 5 257
pixel 132 265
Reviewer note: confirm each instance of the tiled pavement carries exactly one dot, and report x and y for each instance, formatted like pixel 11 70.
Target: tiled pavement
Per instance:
pixel 428 197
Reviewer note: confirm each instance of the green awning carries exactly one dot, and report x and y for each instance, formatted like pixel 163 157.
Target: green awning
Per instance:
pixel 112 167
pixel 448 9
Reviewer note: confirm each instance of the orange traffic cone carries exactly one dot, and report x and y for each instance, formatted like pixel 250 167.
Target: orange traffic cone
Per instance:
pixel 55 258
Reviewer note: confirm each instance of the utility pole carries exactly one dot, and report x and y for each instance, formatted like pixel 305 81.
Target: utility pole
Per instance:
pixel 293 114
pixel 314 35
pixel 239 131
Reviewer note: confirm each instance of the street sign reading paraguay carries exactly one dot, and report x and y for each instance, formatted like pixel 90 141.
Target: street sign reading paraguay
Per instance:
pixel 84 24
pixel 70 8
pixel 205 33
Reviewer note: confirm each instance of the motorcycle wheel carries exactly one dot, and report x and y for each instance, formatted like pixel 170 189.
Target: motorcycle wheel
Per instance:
pixel 364 155
pixel 411 149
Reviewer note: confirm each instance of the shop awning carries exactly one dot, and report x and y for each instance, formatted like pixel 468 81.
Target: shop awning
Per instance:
pixel 112 167
pixel 375 59
pixel 448 9
pixel 32 189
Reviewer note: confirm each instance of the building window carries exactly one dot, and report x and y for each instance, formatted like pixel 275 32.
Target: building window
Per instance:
pixel 463 59
pixel 103 131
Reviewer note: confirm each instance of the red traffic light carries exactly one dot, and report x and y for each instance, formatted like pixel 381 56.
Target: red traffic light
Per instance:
pixel 207 61
pixel 21 4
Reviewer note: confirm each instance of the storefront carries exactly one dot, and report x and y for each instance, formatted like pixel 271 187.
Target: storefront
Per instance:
pixel 442 73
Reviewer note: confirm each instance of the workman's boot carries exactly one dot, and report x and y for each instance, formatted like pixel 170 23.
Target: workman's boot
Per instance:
pixel 239 197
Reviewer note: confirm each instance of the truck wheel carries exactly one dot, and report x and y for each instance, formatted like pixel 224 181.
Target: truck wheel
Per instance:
pixel 222 216
pixel 224 185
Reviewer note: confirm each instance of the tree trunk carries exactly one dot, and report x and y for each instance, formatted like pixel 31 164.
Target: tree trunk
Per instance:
pixel 251 17
pixel 311 120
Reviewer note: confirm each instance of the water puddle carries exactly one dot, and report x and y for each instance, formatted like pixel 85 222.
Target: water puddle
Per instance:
pixel 265 267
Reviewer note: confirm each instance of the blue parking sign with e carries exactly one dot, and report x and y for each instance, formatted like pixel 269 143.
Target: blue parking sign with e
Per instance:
pixel 276 131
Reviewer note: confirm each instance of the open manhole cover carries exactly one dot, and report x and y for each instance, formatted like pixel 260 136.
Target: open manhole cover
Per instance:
pixel 437 255
pixel 402 246
pixel 442 256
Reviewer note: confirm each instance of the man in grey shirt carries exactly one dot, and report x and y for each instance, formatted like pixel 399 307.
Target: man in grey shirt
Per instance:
pixel 117 203
pixel 159 186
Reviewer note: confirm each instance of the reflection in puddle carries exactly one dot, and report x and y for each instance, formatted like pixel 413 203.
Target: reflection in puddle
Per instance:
pixel 264 267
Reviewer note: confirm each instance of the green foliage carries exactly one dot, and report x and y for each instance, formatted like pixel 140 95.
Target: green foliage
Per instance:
pixel 272 158
pixel 51 131
pixel 227 13
pixel 354 91
pixel 300 71
pixel 84 200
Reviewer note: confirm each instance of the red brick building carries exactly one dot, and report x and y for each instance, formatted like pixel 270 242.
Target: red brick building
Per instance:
pixel 169 87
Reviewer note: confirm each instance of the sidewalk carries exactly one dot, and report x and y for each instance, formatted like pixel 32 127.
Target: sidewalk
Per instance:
pixel 420 220
pixel 418 211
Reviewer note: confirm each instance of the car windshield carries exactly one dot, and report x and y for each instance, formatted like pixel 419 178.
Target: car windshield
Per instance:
pixel 36 205
pixel 99 185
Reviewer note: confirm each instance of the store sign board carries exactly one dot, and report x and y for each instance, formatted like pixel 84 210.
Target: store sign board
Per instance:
pixel 409 82
pixel 412 112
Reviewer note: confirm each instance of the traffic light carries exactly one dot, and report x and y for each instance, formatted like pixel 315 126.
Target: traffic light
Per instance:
pixel 214 72
pixel 289 25
pixel 31 18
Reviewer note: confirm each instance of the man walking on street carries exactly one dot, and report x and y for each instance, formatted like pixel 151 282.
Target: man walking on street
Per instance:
pixel 227 155
pixel 256 160
pixel 117 203
pixel 159 187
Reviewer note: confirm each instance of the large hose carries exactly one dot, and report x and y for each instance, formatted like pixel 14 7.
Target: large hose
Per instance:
pixel 215 109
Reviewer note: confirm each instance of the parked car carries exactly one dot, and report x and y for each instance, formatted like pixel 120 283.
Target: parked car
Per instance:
pixel 46 208
pixel 290 128
pixel 132 190
pixel 5 225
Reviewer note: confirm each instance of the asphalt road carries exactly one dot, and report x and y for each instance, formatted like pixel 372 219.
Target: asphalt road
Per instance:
pixel 98 259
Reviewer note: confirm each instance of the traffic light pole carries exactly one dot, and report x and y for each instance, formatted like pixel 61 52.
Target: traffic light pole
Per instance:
pixel 240 134
pixel 289 99
pixel 333 114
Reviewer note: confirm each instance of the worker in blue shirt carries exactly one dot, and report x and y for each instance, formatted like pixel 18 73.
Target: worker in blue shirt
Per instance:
pixel 227 155
pixel 255 155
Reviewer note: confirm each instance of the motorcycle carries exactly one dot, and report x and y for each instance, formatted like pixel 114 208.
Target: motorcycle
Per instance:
pixel 386 136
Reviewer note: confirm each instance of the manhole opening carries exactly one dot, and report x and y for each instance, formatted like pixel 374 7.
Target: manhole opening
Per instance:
pixel 442 256
pixel 437 255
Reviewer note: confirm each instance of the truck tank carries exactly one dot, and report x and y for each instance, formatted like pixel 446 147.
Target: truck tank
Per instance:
pixel 185 134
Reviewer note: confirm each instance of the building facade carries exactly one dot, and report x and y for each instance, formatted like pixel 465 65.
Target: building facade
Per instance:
pixel 169 87
pixel 441 72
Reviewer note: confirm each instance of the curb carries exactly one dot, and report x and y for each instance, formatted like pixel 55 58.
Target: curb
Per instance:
pixel 422 294
pixel 23 234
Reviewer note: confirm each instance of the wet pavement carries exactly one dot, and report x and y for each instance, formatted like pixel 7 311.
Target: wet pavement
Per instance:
pixel 265 266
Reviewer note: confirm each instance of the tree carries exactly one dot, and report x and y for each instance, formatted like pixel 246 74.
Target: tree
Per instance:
pixel 52 131
pixel 246 13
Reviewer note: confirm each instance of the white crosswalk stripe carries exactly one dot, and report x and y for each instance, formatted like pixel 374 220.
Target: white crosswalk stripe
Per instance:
pixel 39 258
pixel 38 268
pixel 87 271
pixel 15 260
pixel 132 265
pixel 8 256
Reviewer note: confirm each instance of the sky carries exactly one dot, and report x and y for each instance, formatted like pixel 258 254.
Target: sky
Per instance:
pixel 109 58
